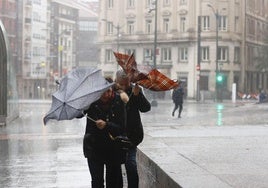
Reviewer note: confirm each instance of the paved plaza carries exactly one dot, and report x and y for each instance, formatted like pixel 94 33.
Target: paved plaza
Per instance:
pixel 212 145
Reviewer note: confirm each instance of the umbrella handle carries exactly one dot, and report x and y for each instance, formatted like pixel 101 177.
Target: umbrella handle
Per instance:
pixel 88 117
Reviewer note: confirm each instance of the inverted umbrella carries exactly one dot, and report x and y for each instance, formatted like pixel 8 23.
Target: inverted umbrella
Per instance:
pixel 129 65
pixel 149 78
pixel 157 81
pixel 77 90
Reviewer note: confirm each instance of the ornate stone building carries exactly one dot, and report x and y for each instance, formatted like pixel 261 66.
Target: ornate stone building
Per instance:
pixel 128 26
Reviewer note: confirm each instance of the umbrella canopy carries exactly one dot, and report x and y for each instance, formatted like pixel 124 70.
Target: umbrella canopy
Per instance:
pixel 129 65
pixel 156 81
pixel 77 90
pixel 148 78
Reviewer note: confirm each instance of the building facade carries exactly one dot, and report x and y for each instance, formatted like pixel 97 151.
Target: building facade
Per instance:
pixel 88 52
pixel 44 41
pixel 48 45
pixel 128 26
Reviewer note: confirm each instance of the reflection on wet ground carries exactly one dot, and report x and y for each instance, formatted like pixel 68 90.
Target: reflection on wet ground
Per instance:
pixel 208 114
pixel 34 155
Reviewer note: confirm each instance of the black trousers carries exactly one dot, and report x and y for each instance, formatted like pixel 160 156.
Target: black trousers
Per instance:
pixel 113 178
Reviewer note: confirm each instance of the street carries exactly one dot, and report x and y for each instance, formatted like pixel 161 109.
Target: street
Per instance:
pixel 34 155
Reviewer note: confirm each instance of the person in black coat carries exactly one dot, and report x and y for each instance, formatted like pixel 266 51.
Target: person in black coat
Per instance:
pixel 134 105
pixel 177 97
pixel 105 120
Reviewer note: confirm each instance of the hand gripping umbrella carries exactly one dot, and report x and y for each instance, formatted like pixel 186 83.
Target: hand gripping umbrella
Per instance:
pixel 77 90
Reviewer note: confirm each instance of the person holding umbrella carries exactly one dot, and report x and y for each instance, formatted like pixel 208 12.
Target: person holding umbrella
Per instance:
pixel 105 120
pixel 134 105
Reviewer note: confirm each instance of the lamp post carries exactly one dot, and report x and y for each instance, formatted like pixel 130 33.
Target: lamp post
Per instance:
pixel 154 102
pixel 215 12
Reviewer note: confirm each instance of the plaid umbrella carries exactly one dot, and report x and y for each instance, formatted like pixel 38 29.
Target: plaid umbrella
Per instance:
pixel 148 78
pixel 77 90
pixel 129 65
pixel 156 81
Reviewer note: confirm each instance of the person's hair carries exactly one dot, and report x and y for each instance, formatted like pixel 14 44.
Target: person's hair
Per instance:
pixel 109 79
pixel 121 74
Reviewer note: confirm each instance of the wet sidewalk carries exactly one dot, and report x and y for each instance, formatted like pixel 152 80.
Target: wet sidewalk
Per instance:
pixel 33 155
pixel 212 145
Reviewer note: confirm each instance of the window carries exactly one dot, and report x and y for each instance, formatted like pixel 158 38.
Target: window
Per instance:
pixel 38 2
pixel 251 26
pixel 182 25
pixel 148 54
pixel 130 27
pixel 166 2
pixel 149 3
pixel 183 54
pixel 88 25
pixel 166 54
pixel 205 53
pixel 130 3
pixel 222 23
pixel 148 26
pixel 203 82
pixel 205 23
pixel 130 51
pixel 236 24
pixel 110 3
pixel 222 53
pixel 166 25
pixel 183 2
pixel 109 28
pixel 237 54
pixel 109 55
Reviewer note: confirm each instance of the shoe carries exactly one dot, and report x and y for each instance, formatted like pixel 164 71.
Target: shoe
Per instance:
pixel 179 116
pixel 172 114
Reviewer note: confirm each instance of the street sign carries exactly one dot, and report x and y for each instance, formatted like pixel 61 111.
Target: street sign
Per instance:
pixel 198 67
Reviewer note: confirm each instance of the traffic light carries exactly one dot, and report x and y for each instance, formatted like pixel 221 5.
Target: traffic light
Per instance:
pixel 219 78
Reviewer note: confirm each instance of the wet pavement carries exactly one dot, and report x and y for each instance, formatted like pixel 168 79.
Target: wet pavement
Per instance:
pixel 211 146
pixel 33 155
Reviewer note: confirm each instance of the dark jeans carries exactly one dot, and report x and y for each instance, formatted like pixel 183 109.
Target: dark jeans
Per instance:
pixel 178 105
pixel 131 168
pixel 113 175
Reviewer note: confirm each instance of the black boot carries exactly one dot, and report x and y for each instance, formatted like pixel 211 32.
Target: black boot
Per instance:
pixel 173 113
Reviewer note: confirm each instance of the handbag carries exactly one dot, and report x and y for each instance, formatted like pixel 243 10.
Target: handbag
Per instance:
pixel 122 142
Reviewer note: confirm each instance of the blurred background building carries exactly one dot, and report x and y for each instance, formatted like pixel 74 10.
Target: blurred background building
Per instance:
pixel 128 26
pixel 45 43
pixel 48 38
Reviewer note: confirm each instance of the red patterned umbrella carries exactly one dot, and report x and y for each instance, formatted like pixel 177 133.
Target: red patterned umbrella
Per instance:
pixel 156 81
pixel 148 78
pixel 129 65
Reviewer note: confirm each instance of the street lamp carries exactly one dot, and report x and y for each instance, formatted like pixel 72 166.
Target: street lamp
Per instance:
pixel 215 11
pixel 117 27
pixel 154 102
